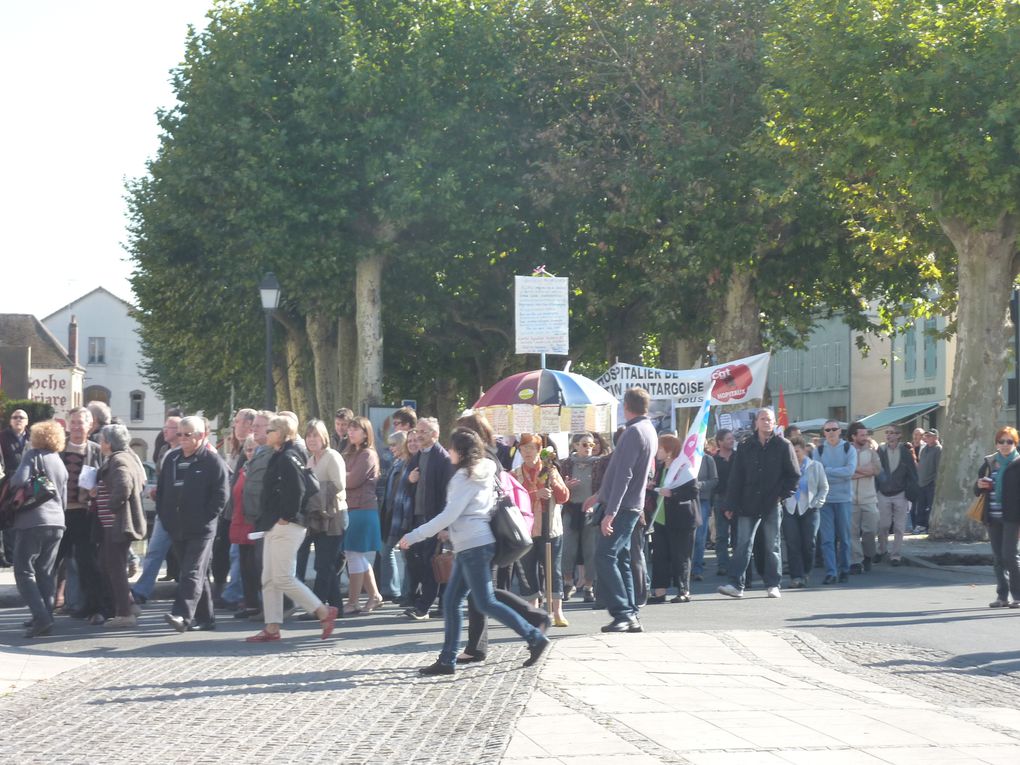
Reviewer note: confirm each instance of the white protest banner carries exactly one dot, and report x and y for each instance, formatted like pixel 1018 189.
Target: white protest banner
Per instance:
pixel 542 322
pixel 731 383
pixel 687 464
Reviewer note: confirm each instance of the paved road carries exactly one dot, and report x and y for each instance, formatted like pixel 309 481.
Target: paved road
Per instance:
pixel 152 694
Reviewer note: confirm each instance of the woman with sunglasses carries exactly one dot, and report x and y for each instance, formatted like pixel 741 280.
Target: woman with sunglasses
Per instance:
pixel 999 479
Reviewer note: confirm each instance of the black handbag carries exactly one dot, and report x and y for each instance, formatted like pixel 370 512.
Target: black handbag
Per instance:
pixel 513 538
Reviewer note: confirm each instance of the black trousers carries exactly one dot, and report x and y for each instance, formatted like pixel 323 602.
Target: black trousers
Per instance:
pixel 113 552
pixel 672 547
pixel 478 623
pixel 221 555
pixel 1003 536
pixel 77 543
pixel 419 561
pixel 251 575
pixel 194 600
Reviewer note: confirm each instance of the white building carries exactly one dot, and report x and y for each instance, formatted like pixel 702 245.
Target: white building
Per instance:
pixel 110 349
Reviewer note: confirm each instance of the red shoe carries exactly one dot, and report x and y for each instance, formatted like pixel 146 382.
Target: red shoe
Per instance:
pixel 263 637
pixel 329 622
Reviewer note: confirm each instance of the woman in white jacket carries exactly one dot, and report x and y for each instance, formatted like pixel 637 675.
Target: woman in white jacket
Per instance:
pixel 801 519
pixel 469 500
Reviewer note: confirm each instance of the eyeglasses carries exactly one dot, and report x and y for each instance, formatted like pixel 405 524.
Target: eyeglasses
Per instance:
pixel 832 430
pixel 1008 441
pixel 587 443
pixel 18 417
pixel 188 435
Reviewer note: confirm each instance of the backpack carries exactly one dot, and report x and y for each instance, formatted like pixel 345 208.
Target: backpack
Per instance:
pixel 821 447
pixel 311 486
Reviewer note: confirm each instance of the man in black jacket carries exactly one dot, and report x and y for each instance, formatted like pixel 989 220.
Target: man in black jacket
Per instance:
pixel 763 474
pixel 192 492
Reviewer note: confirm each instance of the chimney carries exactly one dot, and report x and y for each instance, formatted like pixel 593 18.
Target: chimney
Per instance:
pixel 72 340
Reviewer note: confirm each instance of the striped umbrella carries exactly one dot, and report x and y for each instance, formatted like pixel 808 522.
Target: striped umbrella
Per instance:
pixel 543 387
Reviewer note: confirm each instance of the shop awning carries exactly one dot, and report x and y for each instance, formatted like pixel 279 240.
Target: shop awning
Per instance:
pixel 895 414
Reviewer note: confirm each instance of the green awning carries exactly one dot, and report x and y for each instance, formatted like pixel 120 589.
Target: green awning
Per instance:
pixel 895 414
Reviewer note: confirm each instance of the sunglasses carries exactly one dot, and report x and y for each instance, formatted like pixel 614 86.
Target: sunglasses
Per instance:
pixel 833 430
pixel 1009 441
pixel 270 430
pixel 186 435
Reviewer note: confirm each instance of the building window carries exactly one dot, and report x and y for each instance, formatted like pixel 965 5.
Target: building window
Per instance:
pixel 97 393
pixel 837 364
pixel 97 350
pixel 931 355
pixel 910 353
pixel 137 406
pixel 837 413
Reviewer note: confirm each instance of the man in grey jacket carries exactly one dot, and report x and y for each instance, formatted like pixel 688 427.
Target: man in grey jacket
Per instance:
pixel 622 496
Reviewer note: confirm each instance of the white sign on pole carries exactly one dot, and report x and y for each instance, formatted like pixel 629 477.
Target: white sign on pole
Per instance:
pixel 542 323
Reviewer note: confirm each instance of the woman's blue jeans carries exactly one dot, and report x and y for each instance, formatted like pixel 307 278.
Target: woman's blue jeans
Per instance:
pixel 472 571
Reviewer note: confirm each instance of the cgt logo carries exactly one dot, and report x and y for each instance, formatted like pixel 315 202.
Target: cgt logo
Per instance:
pixel 731 383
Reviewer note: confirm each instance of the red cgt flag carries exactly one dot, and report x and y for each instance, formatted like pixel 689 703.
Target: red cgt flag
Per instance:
pixel 782 418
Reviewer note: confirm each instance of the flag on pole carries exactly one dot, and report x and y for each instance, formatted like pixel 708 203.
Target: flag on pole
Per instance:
pixel 686 466
pixel 782 417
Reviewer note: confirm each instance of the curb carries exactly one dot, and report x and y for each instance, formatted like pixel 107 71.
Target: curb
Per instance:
pixel 919 562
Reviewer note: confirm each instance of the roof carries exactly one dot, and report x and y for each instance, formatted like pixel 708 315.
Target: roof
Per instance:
pixel 24 329
pixel 75 302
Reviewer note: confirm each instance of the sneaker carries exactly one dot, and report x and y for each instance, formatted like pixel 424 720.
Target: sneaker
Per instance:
pixel 998 604
pixel 416 615
pixel 797 584
pixel 655 599
pixel 177 622
pixel 202 627
pixel 535 651
pixel 437 669
pixel 683 597
pixel 895 561
pixel 773 592
pixel 730 591
pixel 97 619
pixel 635 626
pixel 856 568
pixel 1015 604
pixel 121 622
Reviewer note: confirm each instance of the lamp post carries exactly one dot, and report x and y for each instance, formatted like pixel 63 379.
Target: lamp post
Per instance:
pixel 269 290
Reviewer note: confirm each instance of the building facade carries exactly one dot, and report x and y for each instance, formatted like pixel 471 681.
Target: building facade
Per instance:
pixel 110 351
pixel 54 376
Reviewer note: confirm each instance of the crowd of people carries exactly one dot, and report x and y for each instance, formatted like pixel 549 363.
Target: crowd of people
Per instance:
pixel 236 524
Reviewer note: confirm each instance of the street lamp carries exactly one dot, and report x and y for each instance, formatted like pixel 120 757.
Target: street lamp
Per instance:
pixel 269 290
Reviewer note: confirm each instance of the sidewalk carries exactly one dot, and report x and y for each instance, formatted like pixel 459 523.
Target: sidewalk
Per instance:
pixel 744 698
pixel 962 557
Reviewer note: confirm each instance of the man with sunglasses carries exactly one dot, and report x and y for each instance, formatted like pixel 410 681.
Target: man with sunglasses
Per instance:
pixel 839 459
pixel 192 492
pixel 897 479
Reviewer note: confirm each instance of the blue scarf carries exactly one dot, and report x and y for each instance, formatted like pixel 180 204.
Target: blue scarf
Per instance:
pixel 1001 463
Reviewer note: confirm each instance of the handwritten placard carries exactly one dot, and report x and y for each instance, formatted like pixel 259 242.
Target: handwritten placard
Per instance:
pixel 542 322
pixel 523 418
pixel 578 419
pixel 499 418
pixel 549 419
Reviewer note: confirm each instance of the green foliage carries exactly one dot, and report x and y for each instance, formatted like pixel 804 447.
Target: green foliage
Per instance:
pixel 36 410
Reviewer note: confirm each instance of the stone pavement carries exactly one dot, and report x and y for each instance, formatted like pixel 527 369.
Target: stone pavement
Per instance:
pixel 749 697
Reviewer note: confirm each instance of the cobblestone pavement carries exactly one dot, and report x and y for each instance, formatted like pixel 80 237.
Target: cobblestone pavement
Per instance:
pixel 772 697
pixel 312 703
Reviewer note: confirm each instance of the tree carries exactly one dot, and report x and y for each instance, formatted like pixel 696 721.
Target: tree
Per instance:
pixel 911 107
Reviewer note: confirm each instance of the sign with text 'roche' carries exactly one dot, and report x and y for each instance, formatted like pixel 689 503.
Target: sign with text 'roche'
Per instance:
pixel 542 321
pixel 731 383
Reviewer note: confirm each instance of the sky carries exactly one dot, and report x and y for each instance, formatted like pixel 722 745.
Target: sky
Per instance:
pixel 80 88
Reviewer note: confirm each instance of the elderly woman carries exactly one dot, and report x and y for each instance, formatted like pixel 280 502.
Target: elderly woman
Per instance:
pixel 364 536
pixel 240 528
pixel 548 492
pixel 327 512
pixel 283 492
pixel 674 528
pixel 118 495
pixel 999 478
pixel 40 529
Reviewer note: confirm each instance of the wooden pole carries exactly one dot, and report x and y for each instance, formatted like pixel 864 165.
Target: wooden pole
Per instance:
pixel 546 531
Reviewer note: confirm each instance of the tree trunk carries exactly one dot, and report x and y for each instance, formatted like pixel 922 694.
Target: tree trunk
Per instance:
pixel 299 401
pixel 681 353
pixel 739 333
pixel 447 406
pixel 322 338
pixel 987 266
pixel 347 359
pixel 368 306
